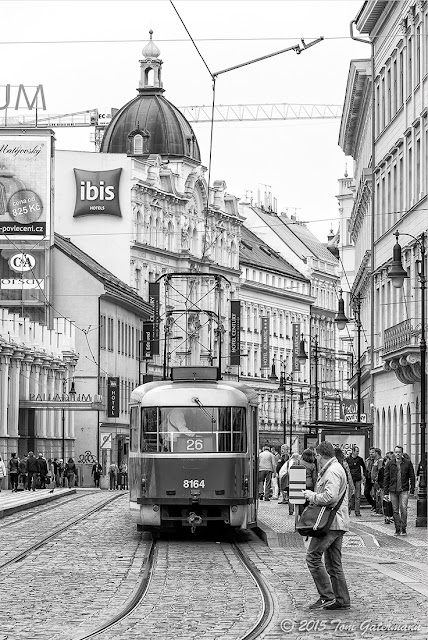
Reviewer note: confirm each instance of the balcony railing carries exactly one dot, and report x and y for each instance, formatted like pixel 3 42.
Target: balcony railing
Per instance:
pixel 399 336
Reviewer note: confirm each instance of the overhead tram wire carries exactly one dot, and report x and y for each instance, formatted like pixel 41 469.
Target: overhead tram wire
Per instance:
pixel 298 48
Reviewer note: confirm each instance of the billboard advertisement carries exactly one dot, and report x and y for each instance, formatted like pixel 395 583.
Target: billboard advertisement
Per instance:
pixel 25 183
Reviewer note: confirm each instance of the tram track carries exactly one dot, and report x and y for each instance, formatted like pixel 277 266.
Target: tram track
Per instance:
pixel 38 511
pixel 56 532
pixel 264 617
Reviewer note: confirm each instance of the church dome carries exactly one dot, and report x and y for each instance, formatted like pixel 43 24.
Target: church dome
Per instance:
pixel 150 124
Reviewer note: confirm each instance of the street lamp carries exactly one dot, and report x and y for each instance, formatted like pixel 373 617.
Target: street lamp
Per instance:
pixel 341 320
pixel 71 393
pixel 282 387
pixel 302 357
pixel 397 275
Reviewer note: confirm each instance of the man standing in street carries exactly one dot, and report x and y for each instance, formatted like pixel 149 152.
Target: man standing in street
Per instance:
pixel 32 471
pixel 399 476
pixel 329 579
pixel 42 469
pixel 369 484
pixel 267 467
pixel 356 464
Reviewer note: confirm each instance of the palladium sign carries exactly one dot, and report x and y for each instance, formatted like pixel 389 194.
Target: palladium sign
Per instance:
pixel 21 96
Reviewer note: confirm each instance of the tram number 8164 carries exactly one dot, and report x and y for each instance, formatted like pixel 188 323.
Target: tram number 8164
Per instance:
pixel 193 484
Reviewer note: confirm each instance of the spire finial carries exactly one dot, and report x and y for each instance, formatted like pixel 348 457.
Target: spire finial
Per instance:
pixel 346 170
pixel 151 50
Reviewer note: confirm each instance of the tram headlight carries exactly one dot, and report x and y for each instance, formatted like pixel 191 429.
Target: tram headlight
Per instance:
pixel 234 508
pixel 155 507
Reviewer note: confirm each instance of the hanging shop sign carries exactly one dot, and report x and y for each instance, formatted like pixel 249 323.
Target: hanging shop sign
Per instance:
pixel 146 344
pixel 25 183
pixel 97 192
pixel 235 332
pixel 265 338
pixel 296 345
pixel 154 300
pixel 113 389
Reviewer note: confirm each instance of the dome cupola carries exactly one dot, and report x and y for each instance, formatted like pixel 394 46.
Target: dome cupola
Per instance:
pixel 150 124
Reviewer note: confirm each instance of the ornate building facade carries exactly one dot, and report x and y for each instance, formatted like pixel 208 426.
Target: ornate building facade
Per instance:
pixel 385 129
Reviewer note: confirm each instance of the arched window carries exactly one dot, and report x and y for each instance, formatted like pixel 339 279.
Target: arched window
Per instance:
pixel 138 144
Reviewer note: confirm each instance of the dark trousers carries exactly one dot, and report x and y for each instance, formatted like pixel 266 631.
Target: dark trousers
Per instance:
pixel 265 480
pixel 368 494
pixel 112 481
pixel 97 479
pixel 329 579
pixel 14 481
pixel 31 481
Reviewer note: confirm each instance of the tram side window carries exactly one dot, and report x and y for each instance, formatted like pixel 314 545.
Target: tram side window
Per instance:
pixel 225 430
pixel 239 432
pixel 232 436
pixel 149 429
pixel 133 432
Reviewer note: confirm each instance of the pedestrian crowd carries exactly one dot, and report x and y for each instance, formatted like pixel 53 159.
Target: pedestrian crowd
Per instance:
pixel 337 482
pixel 118 476
pixel 31 472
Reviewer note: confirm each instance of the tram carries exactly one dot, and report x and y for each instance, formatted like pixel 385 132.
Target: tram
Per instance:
pixel 193 452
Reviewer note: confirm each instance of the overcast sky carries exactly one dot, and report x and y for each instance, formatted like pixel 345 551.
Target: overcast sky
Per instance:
pixel 299 160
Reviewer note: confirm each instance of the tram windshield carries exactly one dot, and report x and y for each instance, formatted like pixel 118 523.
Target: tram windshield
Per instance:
pixel 193 429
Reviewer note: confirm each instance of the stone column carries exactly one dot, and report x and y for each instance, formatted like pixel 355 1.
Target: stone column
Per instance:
pixel 5 355
pixel 14 376
pixel 35 390
pixel 50 394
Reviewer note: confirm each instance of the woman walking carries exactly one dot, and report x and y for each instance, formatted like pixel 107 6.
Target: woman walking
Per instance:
pixel 70 472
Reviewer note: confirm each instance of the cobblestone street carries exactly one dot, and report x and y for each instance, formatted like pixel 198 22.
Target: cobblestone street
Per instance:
pixel 85 575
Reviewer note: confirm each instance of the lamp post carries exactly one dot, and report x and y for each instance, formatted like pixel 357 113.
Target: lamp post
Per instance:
pixel 397 275
pixel 282 387
pixel 302 357
pixel 71 393
pixel 341 320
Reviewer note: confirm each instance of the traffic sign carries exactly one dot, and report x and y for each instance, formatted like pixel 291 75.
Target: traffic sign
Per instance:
pixel 106 441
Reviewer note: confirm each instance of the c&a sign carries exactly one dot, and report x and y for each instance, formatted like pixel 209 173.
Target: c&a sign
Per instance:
pixel 113 392
pixel 97 192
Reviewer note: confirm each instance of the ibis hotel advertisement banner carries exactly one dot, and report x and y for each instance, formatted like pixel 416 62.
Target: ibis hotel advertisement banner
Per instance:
pixel 25 184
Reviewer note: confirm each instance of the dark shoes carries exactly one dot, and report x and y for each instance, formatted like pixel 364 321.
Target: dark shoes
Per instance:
pixel 335 605
pixel 403 532
pixel 397 532
pixel 267 499
pixel 321 603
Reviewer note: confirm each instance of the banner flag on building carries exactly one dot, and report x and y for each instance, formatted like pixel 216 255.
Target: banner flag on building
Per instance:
pixel 235 332
pixel 146 345
pixel 296 346
pixel 154 299
pixel 265 339
pixel 113 393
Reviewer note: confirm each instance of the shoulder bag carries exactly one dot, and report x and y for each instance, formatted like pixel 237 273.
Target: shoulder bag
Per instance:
pixel 316 519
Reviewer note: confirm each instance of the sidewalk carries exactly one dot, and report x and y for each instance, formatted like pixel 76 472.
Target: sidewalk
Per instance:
pixel 13 502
